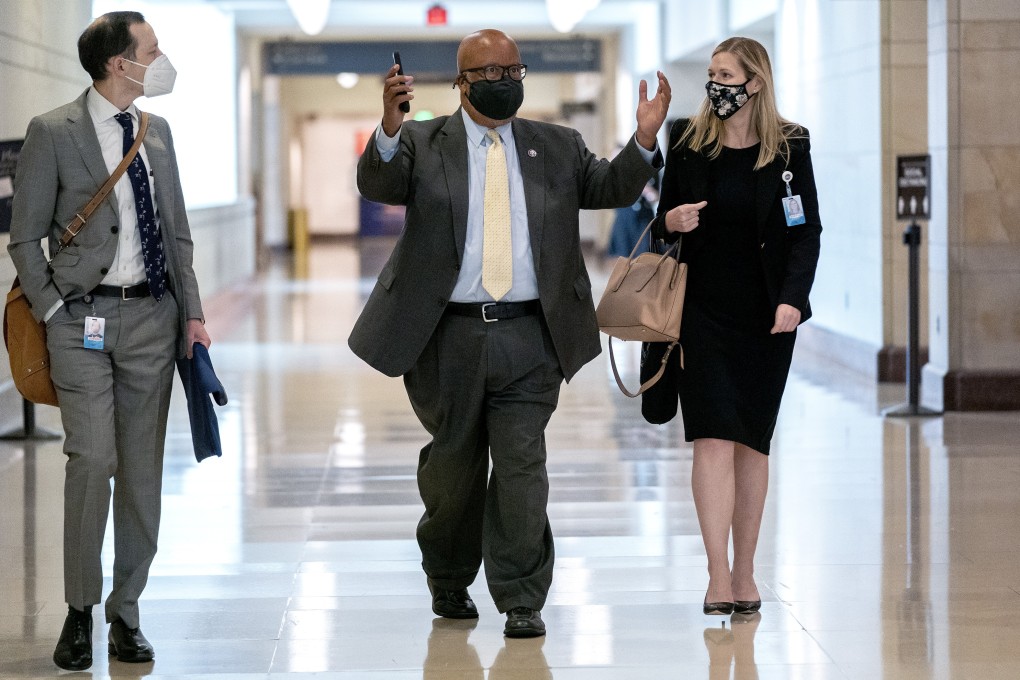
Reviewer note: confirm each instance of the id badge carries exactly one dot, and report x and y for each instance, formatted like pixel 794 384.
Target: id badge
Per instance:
pixel 95 332
pixel 794 211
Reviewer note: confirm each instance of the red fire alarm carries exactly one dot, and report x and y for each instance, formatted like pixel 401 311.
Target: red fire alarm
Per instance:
pixel 436 15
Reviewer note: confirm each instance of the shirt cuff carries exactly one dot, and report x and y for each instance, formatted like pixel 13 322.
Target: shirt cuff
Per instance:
pixel 385 145
pixel 651 157
pixel 53 310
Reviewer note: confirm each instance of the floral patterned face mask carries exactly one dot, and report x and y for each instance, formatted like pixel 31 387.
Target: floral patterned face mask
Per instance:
pixel 727 99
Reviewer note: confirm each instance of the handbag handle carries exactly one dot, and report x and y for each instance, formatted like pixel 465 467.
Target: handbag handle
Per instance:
pixel 672 246
pixel 651 381
pixel 674 250
pixel 78 223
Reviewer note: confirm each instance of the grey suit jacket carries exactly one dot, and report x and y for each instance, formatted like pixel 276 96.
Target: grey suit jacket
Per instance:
pixel 60 168
pixel 429 174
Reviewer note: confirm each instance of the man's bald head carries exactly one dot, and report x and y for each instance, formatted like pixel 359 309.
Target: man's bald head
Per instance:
pixel 488 46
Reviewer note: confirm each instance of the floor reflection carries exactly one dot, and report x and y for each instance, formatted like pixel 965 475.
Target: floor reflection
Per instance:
pixel 520 659
pixel 731 650
pixel 451 656
pixel 890 547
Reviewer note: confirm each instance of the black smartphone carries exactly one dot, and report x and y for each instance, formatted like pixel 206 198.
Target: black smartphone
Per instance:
pixel 404 106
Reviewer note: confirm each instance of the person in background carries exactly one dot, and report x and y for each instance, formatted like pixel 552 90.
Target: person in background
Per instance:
pixel 630 223
pixel 729 172
pixel 132 266
pixel 485 308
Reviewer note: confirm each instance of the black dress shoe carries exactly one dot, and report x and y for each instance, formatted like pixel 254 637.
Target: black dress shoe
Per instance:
pixel 74 648
pixel 746 606
pixel 523 622
pixel 128 644
pixel 452 604
pixel 718 608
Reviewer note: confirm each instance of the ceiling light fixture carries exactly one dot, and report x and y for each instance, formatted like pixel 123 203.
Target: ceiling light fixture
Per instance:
pixel 311 15
pixel 565 14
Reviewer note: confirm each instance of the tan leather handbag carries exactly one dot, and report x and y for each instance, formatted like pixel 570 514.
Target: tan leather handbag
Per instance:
pixel 644 300
pixel 24 337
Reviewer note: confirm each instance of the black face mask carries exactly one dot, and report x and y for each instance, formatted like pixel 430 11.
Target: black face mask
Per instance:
pixel 497 99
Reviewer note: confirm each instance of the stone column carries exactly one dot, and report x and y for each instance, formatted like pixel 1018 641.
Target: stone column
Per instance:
pixel 904 114
pixel 974 233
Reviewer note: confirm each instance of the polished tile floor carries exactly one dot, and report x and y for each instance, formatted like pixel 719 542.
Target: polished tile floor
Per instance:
pixel 890 548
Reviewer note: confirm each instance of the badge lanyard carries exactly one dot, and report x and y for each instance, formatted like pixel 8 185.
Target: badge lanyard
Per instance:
pixel 793 208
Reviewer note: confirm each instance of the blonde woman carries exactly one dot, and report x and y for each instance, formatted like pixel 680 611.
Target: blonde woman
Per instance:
pixel 739 187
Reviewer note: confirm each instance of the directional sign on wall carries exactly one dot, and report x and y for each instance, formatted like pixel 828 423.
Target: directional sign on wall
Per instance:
pixel 913 175
pixel 420 57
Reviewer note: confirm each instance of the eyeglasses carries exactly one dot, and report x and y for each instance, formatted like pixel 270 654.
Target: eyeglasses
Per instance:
pixel 494 72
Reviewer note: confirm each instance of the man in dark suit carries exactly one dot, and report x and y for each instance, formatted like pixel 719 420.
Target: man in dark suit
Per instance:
pixel 485 307
pixel 130 266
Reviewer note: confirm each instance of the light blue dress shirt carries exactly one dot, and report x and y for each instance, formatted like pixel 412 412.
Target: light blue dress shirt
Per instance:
pixel 469 282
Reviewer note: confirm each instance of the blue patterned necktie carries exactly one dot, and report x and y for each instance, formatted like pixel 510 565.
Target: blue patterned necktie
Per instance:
pixel 152 244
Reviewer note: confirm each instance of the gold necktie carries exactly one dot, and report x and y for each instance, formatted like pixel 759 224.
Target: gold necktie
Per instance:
pixel 497 254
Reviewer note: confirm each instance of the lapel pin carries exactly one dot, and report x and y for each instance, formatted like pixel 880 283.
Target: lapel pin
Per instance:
pixel 532 153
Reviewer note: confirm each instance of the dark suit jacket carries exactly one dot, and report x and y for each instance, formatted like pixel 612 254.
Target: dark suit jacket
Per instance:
pixel 429 174
pixel 60 168
pixel 789 255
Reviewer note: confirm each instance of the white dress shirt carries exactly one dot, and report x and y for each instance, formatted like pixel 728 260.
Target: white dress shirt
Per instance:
pixel 128 267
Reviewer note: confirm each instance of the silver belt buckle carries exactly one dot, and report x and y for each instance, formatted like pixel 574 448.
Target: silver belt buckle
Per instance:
pixel 485 312
pixel 123 293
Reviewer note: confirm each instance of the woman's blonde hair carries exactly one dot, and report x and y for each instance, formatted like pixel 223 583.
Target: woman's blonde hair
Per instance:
pixel 705 130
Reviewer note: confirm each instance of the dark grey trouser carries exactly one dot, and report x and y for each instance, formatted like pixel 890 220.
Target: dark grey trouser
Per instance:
pixel 487 389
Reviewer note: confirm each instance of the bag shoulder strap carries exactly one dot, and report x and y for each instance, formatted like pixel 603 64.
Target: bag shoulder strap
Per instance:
pixel 78 223
pixel 651 381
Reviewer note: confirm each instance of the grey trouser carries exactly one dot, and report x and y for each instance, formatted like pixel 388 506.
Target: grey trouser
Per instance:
pixel 113 404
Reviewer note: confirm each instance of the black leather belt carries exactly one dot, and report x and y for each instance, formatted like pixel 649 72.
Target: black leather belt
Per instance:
pixel 139 290
pixel 494 311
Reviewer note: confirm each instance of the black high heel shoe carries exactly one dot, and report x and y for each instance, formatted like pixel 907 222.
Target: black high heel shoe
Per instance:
pixel 746 606
pixel 722 608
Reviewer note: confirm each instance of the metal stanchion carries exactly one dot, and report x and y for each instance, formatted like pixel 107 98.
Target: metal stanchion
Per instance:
pixel 912 239
pixel 29 430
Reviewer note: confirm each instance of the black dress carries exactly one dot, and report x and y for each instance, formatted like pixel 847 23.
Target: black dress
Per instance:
pixel 735 370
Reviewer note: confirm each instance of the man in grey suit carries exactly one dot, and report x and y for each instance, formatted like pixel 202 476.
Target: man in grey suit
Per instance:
pixel 485 307
pixel 131 268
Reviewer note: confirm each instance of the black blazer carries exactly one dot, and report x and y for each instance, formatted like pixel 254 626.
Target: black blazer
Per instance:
pixel 789 255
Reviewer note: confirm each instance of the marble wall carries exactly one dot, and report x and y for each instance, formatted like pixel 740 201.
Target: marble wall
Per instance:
pixel 974 245
pixel 39 68
pixel 828 63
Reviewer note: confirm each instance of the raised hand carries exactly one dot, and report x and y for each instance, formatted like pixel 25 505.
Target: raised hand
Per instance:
pixel 651 112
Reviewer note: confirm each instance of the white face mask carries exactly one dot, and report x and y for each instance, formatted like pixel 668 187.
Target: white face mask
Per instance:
pixel 159 76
